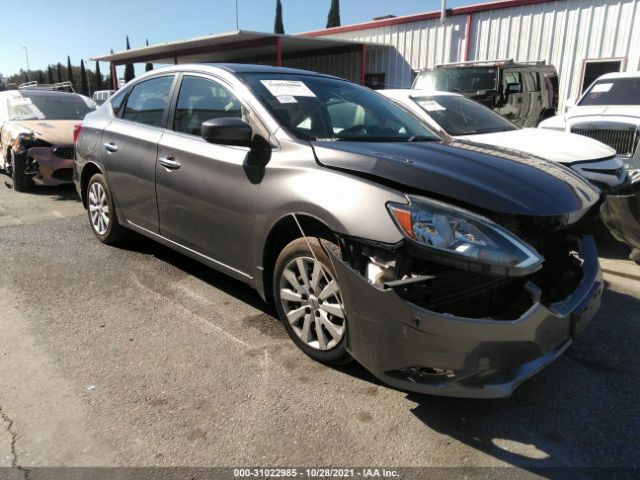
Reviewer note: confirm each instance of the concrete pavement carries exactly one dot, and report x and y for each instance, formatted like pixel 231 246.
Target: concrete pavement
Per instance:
pixel 139 356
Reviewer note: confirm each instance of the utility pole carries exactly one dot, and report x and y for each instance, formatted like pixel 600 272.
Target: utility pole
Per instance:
pixel 26 52
pixel 237 22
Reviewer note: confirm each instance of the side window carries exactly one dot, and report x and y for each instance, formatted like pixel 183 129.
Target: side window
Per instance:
pixel 510 77
pixel 530 82
pixel 147 101
pixel 201 99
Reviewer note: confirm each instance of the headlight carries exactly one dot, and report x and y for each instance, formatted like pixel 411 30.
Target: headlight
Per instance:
pixel 464 239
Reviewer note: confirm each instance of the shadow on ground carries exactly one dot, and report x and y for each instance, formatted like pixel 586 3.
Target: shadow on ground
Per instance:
pixel 59 193
pixel 580 411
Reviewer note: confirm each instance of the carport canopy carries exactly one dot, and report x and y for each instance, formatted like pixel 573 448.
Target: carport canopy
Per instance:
pixel 239 46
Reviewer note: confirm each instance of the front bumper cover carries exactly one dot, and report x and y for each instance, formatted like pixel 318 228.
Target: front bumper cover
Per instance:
pixel 50 166
pixel 415 349
pixel 621 214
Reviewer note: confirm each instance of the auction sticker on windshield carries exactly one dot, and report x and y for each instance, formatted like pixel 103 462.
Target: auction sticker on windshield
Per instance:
pixel 287 88
pixel 431 105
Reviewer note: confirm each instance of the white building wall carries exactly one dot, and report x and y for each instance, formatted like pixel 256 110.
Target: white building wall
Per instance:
pixel 564 33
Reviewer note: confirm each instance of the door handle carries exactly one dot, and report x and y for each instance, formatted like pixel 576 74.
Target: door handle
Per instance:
pixel 169 163
pixel 111 147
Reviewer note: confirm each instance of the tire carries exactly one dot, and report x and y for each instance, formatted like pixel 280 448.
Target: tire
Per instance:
pixel 21 181
pixel 103 217
pixel 307 298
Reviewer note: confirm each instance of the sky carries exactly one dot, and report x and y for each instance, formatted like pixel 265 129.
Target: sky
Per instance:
pixel 53 29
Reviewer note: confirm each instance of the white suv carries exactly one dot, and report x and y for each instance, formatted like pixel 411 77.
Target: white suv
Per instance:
pixel 609 111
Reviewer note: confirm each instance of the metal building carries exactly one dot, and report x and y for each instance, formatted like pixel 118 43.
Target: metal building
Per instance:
pixel 582 38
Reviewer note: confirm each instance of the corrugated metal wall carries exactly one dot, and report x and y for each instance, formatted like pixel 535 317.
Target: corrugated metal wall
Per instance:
pixel 565 33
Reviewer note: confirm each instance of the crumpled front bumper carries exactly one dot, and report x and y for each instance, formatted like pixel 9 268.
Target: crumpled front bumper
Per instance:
pixel 621 214
pixel 52 170
pixel 415 349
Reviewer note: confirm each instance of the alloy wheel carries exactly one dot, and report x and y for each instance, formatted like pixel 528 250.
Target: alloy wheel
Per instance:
pixel 311 300
pixel 98 208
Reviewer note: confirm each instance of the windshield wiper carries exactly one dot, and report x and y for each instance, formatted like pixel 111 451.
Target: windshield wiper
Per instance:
pixel 419 138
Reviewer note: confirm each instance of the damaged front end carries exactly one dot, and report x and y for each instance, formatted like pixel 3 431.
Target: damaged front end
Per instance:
pixel 46 164
pixel 425 321
pixel 621 214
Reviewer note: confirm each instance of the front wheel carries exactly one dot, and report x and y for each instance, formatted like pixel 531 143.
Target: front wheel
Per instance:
pixel 21 181
pixel 309 302
pixel 102 211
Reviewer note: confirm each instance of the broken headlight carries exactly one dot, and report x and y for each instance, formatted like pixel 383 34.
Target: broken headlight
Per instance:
pixel 463 239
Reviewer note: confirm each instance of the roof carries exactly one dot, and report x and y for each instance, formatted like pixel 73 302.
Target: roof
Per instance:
pixel 253 68
pixel 229 46
pixel 464 10
pixel 614 75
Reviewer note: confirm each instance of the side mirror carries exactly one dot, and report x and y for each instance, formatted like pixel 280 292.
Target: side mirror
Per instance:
pixel 569 103
pixel 227 131
pixel 514 88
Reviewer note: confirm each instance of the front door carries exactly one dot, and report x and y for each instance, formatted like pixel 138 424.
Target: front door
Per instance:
pixel 130 145
pixel 206 192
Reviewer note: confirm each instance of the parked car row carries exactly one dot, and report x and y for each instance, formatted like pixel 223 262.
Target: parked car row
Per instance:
pixel 36 134
pixel 416 232
pixel 441 265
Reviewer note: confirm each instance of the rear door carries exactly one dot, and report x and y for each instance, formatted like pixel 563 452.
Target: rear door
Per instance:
pixel 130 144
pixel 532 99
pixel 513 104
pixel 207 192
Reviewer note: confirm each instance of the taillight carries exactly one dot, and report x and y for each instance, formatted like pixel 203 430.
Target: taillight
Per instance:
pixel 76 131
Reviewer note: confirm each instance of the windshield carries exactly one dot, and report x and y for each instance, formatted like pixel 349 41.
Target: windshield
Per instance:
pixel 319 108
pixel 463 79
pixel 619 91
pixel 49 107
pixel 458 115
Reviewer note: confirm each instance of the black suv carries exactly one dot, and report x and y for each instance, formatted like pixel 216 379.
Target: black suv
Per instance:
pixel 524 92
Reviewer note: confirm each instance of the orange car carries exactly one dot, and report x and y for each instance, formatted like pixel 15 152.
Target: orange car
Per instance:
pixel 36 135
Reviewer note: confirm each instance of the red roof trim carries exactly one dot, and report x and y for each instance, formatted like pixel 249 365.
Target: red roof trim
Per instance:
pixel 481 7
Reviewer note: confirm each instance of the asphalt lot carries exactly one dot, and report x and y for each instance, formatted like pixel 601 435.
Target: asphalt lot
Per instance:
pixel 138 356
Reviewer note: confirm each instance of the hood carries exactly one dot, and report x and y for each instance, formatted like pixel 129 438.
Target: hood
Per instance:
pixel 492 179
pixel 56 132
pixel 556 146
pixel 622 113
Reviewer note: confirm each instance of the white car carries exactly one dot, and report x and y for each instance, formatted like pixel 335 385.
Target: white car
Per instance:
pixel 609 111
pixel 456 116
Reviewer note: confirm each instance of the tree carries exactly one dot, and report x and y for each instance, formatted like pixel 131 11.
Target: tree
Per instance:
pixel 40 77
pixel 50 74
pixel 129 73
pixel 279 25
pixel 148 66
pixel 59 68
pixel 84 85
pixel 69 70
pixel 333 19
pixel 98 77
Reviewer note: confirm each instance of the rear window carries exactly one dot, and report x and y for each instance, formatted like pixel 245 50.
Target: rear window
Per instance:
pixel 618 91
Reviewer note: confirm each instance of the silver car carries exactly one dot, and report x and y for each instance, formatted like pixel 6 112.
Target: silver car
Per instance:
pixel 445 268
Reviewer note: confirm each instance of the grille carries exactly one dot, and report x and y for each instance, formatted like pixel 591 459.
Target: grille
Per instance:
pixel 64 152
pixel 623 140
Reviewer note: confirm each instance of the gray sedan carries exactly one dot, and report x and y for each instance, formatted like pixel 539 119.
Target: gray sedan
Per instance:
pixel 444 268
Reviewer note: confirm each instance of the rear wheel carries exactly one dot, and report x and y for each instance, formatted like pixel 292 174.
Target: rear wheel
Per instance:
pixel 309 302
pixel 21 181
pixel 102 212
